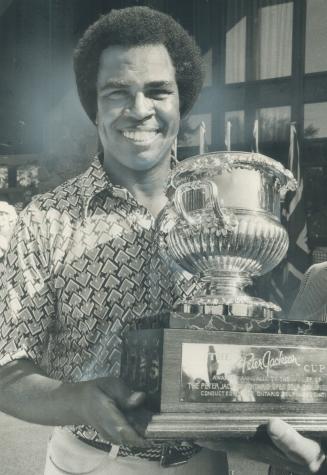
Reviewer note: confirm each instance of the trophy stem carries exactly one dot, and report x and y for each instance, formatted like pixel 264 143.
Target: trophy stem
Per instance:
pixel 226 284
pixel 221 294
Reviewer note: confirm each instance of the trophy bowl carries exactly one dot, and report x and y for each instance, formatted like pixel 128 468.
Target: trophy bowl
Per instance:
pixel 222 223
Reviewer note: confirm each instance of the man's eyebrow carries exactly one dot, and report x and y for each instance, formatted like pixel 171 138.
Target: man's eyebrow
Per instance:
pixel 159 84
pixel 117 84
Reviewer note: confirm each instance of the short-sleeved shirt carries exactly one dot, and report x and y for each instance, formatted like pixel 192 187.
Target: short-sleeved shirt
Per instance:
pixel 84 265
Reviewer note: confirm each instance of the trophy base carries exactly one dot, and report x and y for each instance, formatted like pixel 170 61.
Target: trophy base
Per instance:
pixel 204 426
pixel 202 383
pixel 236 306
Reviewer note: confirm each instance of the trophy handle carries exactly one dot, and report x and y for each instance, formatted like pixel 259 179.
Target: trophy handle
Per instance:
pixel 213 196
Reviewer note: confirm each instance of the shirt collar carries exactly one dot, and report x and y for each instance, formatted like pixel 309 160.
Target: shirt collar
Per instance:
pixel 95 181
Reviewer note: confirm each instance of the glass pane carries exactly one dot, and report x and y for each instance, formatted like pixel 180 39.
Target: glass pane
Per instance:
pixel 28 176
pixel 275 41
pixel 189 135
pixel 203 36
pixel 236 118
pixel 207 63
pixel 274 132
pixel 3 177
pixel 235 42
pixel 316 36
pixel 274 124
pixel 315 124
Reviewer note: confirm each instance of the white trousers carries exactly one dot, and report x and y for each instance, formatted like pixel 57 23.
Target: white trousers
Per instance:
pixel 68 455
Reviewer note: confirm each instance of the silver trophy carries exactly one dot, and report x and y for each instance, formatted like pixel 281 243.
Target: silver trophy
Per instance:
pixel 225 361
pixel 222 223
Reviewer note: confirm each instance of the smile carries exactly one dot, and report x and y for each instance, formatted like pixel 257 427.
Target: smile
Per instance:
pixel 140 136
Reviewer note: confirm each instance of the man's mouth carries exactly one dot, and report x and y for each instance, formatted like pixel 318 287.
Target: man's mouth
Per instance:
pixel 140 136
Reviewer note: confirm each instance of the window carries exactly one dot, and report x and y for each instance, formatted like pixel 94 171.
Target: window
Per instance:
pixel 235 42
pixel 316 36
pixel 275 41
pixel 27 176
pixel 236 119
pixel 189 135
pixel 274 124
pixel 274 132
pixel 315 120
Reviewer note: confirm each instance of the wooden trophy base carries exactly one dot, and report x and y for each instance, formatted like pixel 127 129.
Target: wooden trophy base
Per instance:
pixel 205 384
pixel 205 426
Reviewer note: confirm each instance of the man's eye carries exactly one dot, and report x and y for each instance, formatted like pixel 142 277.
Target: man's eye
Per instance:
pixel 116 95
pixel 159 93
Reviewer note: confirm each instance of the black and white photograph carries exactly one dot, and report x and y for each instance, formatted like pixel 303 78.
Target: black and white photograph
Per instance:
pixel 163 237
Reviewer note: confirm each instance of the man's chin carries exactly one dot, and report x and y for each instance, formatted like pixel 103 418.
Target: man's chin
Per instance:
pixel 144 162
pixel 137 161
pixel 144 165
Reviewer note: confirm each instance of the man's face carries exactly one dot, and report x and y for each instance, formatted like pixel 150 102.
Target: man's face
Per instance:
pixel 138 105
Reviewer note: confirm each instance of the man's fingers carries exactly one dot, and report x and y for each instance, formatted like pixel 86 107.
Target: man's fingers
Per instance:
pixel 124 397
pixel 139 418
pixel 118 426
pixel 296 447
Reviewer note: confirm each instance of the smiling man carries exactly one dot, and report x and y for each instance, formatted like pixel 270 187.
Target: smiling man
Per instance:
pixel 84 266
pixel 138 106
pixel 138 119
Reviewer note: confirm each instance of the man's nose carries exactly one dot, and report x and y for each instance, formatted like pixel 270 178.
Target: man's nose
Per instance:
pixel 142 106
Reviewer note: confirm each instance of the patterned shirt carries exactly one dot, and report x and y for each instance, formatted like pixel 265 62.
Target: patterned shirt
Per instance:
pixel 83 266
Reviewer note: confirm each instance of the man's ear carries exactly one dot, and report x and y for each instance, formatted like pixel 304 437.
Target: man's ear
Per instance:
pixel 96 119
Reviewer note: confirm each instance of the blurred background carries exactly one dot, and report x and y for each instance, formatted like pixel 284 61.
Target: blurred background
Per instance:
pixel 265 60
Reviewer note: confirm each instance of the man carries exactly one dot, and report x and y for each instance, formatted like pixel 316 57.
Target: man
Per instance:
pixel 83 265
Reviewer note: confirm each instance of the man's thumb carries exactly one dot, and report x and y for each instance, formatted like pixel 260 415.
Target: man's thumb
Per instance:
pixel 135 399
pixel 124 397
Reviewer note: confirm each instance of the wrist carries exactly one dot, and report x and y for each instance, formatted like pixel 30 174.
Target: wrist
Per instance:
pixel 69 400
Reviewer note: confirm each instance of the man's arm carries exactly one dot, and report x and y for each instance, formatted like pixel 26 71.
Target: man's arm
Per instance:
pixel 29 395
pixel 27 314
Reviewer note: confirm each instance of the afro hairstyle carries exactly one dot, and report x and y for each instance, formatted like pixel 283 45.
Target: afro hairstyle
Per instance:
pixel 137 26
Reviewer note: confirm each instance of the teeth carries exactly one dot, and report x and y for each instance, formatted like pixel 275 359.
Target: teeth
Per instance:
pixel 139 135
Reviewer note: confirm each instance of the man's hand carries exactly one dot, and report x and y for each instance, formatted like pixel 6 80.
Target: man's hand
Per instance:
pixel 107 404
pixel 305 453
pixel 289 450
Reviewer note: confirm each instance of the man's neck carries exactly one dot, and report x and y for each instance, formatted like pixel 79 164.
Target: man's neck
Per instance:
pixel 147 186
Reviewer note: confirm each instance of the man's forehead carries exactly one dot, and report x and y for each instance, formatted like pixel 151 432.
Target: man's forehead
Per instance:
pixel 121 64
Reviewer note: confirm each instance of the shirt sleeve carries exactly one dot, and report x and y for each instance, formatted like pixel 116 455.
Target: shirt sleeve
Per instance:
pixel 311 300
pixel 27 303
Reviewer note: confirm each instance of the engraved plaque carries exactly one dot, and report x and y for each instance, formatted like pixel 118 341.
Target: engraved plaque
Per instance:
pixel 213 373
